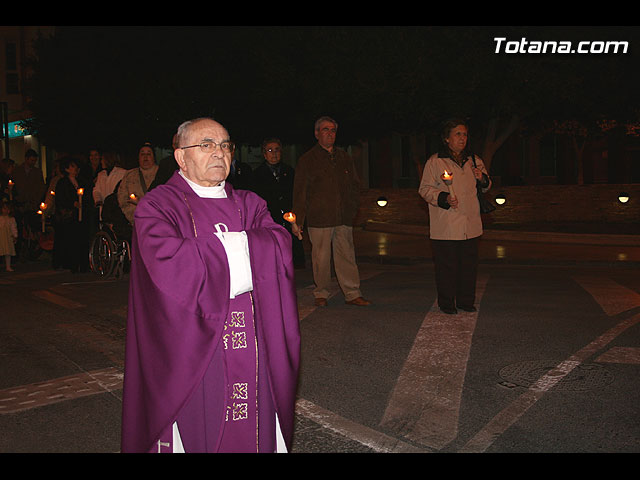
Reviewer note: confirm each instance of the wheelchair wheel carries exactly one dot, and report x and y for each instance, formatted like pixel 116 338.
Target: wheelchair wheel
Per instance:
pixel 123 260
pixel 102 254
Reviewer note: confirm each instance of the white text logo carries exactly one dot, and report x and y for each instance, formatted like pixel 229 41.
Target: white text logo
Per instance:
pixel 551 46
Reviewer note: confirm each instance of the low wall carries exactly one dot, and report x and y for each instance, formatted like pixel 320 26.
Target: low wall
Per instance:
pixel 531 204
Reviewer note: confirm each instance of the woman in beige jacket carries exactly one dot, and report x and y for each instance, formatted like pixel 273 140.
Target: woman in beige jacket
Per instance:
pixel 448 185
pixel 136 182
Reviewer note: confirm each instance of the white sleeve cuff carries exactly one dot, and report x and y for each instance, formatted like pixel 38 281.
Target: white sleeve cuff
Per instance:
pixel 236 246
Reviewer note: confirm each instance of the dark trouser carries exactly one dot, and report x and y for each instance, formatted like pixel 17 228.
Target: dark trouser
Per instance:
pixel 456 267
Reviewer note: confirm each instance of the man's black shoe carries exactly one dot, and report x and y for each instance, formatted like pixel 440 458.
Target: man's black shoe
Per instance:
pixel 449 310
pixel 467 309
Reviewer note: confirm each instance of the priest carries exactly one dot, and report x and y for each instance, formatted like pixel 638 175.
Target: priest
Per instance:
pixel 213 341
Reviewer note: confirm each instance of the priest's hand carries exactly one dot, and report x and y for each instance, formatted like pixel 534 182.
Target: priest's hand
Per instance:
pixel 296 230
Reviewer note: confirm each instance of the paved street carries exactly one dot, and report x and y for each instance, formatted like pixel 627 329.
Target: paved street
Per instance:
pixel 549 363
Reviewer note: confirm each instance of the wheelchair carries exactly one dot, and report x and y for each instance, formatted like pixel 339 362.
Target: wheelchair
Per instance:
pixel 109 253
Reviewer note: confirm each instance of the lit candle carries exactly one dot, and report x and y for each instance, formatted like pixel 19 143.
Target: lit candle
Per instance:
pixel 291 218
pixel 43 207
pixel 80 192
pixel 10 189
pixel 133 198
pixel 447 178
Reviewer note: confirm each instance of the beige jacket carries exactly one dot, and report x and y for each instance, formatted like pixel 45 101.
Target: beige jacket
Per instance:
pixel 445 223
pixel 130 184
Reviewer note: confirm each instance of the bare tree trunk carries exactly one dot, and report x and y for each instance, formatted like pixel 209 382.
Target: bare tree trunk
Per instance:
pixel 579 149
pixel 495 138
pixel 418 153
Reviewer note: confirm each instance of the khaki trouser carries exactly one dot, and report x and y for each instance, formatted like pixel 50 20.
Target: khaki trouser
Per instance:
pixel 339 241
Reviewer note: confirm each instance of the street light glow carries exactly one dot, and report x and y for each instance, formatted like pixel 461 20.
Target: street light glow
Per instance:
pixel 623 197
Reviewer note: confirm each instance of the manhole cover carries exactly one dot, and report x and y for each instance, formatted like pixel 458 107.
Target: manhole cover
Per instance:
pixel 581 377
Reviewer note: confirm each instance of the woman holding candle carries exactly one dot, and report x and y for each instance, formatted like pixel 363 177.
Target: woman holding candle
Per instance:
pixel 137 181
pixel 448 185
pixel 71 244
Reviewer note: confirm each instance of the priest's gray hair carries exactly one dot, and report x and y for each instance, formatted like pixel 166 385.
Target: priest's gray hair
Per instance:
pixel 183 129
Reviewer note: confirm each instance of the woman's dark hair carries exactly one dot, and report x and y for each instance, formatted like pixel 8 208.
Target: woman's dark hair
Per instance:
pixel 450 125
pixel 64 164
pixel 447 126
pixel 270 140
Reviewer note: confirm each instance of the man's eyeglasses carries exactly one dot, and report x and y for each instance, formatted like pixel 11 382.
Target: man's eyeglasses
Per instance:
pixel 208 147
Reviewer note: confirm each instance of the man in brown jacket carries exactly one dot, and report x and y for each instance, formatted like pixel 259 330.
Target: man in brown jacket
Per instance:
pixel 325 194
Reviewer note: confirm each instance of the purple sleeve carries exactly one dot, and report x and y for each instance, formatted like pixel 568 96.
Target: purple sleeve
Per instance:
pixel 174 322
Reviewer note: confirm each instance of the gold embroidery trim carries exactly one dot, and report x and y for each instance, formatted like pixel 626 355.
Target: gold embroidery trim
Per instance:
pixel 193 220
pixel 255 339
pixel 195 232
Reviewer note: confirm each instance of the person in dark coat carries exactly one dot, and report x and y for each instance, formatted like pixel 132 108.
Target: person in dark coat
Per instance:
pixel 71 246
pixel 166 168
pixel 240 175
pixel 273 181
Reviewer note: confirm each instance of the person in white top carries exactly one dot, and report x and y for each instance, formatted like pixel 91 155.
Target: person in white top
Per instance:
pixel 107 179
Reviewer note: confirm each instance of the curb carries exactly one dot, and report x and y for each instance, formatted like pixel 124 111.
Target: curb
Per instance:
pixel 516 236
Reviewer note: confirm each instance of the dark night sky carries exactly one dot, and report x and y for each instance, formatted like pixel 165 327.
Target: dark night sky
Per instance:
pixel 119 84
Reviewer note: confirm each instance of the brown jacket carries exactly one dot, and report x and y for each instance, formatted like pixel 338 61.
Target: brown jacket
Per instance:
pixel 326 188
pixel 29 187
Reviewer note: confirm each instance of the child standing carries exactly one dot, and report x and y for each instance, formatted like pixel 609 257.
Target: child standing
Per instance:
pixel 8 234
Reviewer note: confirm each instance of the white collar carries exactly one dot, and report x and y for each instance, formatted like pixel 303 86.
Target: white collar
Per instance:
pixel 206 192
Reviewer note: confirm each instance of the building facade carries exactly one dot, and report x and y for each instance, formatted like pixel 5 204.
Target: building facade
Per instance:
pixel 16 46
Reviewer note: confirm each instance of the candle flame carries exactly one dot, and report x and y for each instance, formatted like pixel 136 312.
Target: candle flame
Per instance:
pixel 80 191
pixel 10 182
pixel 43 206
pixel 132 196
pixel 290 217
pixel 39 212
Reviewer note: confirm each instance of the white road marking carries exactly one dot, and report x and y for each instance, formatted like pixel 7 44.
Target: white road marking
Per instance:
pixel 629 355
pixel 425 403
pixel 25 397
pixel 368 437
pixel 614 299
pixel 611 296
pixel 57 299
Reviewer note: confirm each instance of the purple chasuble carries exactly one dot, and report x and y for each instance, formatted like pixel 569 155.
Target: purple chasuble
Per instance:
pixel 222 368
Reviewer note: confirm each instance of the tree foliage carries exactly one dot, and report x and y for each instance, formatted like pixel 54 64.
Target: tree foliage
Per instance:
pixel 120 86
